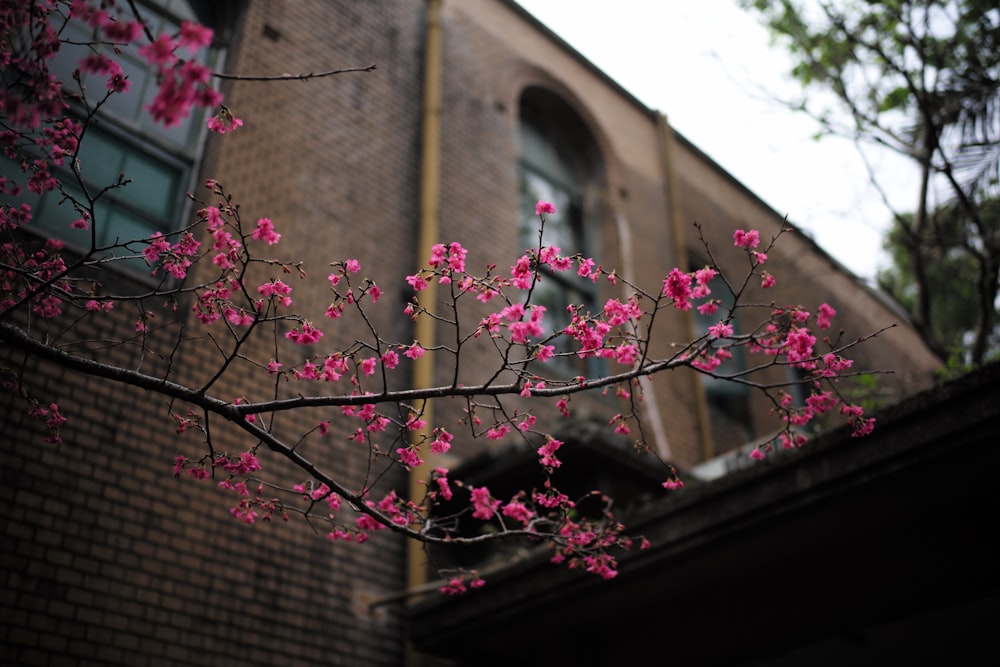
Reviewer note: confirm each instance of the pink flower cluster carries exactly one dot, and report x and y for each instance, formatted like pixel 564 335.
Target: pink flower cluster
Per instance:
pixel 21 274
pixel 457 585
pixel 175 258
pixel 52 418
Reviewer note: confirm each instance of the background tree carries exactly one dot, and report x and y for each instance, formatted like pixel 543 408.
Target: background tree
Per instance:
pixel 950 266
pixel 920 78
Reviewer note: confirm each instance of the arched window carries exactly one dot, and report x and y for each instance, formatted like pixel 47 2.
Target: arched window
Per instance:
pixel 560 163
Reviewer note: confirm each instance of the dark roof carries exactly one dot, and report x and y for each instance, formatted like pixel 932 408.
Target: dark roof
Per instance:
pixel 848 551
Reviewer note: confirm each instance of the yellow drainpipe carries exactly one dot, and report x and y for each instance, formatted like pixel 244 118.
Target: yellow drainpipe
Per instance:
pixel 680 243
pixel 430 195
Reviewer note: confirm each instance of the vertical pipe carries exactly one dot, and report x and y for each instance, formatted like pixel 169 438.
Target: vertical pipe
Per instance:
pixel 430 192
pixel 680 245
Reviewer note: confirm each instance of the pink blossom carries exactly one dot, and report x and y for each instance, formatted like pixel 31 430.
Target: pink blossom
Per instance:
pixel 441 479
pixel 707 363
pixel 194 36
pixel 123 32
pixel 746 239
pixel 390 359
pixel 160 52
pixel 862 427
pixel 625 354
pixel 307 336
pixel 409 457
pixel 276 288
pixel 417 282
pixel 438 252
pixel 562 263
pixel 547 453
pixel 826 312
pixel 100 64
pixel 239 317
pixel 366 522
pixel 265 232
pixel 179 464
pixel 118 83
pixel 442 441
pixel 96 306
pixel 513 313
pixel 521 274
pixel 484 506
pixel 721 330
pixel 518 512
pixel 455 586
pixel 799 345
pixel 456 257
pixel 544 352
pixel 835 364
pixel 708 308
pixel 414 351
pixel 618 313
pixel 791 440
pixel 224 122
pixel 705 276
pixel 601 564
pixel 677 286
pixel 766 280
pixel 544 207
pixel 498 432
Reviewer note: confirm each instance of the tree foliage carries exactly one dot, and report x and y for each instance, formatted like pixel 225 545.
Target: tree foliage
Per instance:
pixel 920 78
pixel 949 266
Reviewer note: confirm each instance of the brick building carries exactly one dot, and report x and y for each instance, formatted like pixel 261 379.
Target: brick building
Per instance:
pixel 474 109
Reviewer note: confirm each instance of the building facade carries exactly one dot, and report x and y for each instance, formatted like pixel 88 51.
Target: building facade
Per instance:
pixel 474 111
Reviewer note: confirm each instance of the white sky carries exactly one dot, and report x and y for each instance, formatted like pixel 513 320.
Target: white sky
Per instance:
pixel 710 67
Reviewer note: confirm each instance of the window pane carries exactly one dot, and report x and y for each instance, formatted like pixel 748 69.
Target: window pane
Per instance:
pixel 55 218
pixel 101 158
pixel 153 187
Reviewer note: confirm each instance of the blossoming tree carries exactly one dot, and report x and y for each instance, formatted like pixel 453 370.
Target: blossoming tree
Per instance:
pixel 223 275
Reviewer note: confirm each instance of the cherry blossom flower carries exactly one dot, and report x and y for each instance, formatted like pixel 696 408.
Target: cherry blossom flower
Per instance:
pixel 823 316
pixel 746 239
pixel 721 330
pixel 484 506
pixel 677 286
pixel 265 232
pixel 544 207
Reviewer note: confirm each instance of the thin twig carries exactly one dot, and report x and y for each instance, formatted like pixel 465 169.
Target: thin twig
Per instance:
pixel 293 77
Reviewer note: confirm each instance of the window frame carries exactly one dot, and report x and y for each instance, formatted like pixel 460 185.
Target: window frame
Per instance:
pixel 131 136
